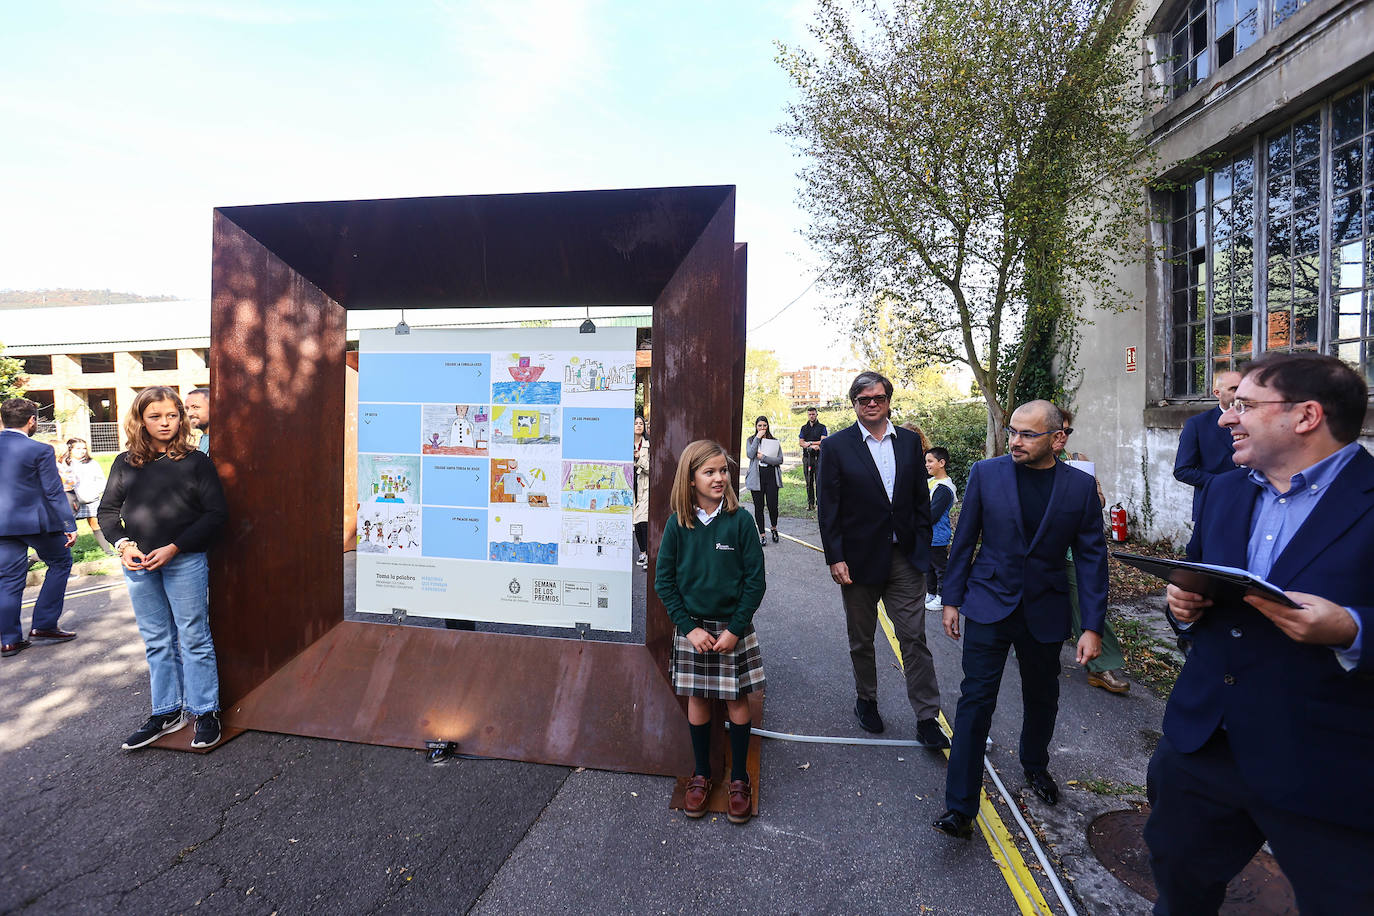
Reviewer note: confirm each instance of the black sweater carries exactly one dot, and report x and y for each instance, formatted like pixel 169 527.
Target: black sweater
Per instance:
pixel 164 502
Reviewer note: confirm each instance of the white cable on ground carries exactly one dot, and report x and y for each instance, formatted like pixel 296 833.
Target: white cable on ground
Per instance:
pixel 1030 837
pixel 987 764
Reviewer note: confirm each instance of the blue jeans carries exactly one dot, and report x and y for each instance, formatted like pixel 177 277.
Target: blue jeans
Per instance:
pixel 172 608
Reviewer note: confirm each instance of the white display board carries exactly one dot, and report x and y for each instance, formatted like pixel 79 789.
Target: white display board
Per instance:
pixel 495 481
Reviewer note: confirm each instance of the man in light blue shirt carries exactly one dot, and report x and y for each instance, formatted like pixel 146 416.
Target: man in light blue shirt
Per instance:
pixel 1269 731
pixel 198 413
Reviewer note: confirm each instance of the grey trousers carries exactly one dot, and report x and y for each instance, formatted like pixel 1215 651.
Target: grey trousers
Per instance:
pixel 904 597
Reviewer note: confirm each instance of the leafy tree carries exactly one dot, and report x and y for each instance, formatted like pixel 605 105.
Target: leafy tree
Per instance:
pixel 763 392
pixel 12 379
pixel 971 164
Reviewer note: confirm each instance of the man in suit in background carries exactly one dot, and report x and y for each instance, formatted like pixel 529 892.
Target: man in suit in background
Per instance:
pixel 874 512
pixel 1269 730
pixel 1204 448
pixel 34 512
pixel 1028 509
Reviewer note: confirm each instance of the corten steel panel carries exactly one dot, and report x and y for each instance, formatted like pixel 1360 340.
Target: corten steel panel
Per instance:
pixel 575 248
pixel 695 343
pixel 277 361
pixel 737 370
pixel 288 662
pixel 559 701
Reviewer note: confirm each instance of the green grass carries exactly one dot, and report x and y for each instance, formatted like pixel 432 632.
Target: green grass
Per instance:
pixel 84 550
pixel 1107 787
pixel 1145 662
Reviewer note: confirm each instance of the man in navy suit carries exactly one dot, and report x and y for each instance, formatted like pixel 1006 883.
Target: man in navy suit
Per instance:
pixel 1269 731
pixel 1204 448
pixel 874 512
pixel 34 512
pixel 1028 510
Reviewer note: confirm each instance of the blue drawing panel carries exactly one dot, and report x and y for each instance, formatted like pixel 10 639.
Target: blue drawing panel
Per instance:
pixel 460 534
pixel 456 481
pixel 598 432
pixel 463 378
pixel 391 428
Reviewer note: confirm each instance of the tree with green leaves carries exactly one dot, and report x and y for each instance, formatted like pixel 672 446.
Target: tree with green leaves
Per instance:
pixel 12 378
pixel 973 164
pixel 762 391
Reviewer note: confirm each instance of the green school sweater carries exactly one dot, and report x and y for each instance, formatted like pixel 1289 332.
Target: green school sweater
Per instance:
pixel 711 571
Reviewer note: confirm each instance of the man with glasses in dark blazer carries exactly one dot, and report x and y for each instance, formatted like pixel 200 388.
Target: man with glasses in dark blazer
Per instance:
pixel 1027 510
pixel 874 512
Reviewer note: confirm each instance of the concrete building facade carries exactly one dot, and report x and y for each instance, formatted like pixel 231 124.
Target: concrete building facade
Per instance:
pixel 1263 225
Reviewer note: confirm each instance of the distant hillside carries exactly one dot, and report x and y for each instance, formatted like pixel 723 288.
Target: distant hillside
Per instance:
pixel 30 298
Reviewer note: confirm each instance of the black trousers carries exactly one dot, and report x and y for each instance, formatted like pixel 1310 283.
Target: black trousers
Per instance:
pixel 642 535
pixel 985 657
pixel 811 462
pixel 1206 824
pixel 939 560
pixel 768 479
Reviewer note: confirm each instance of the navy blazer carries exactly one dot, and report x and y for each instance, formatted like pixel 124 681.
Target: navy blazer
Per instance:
pixel 1300 725
pixel 857 520
pixel 1204 451
pixel 32 500
pixel 1016 567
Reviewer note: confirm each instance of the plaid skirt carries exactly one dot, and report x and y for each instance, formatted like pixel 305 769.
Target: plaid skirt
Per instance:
pixel 717 675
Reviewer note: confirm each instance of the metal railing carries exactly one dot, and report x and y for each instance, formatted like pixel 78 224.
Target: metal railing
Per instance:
pixel 104 437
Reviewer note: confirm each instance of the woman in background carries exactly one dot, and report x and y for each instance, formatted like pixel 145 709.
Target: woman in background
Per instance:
pixel 85 483
pixel 765 474
pixel 641 513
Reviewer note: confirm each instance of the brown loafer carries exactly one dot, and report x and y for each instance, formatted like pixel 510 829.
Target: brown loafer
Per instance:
pixel 1109 681
pixel 694 801
pixel 14 648
pixel 741 801
pixel 56 634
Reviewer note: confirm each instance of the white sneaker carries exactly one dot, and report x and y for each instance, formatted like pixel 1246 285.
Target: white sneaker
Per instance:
pixel 643 561
pixel 933 603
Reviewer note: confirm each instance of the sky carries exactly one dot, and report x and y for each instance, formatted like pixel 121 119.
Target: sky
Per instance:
pixel 126 122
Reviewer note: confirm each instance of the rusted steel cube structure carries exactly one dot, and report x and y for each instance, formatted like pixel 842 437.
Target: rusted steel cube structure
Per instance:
pixel 283 277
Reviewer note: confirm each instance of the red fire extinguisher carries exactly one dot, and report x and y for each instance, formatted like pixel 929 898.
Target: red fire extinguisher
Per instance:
pixel 1118 516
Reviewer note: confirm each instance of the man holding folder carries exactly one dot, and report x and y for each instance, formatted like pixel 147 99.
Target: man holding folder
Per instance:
pixel 1269 731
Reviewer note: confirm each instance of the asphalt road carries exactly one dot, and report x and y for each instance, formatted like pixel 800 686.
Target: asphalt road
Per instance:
pixel 270 823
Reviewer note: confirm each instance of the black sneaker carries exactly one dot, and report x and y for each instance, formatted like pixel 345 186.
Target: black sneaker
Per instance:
pixel 929 733
pixel 867 712
pixel 207 730
pixel 154 728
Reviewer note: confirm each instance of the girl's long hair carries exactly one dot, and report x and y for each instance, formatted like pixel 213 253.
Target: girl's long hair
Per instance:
pixel 921 434
pixel 682 500
pixel 767 427
pixel 67 458
pixel 141 449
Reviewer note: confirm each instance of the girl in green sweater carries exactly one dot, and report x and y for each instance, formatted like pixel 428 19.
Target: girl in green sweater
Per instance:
pixel 710 578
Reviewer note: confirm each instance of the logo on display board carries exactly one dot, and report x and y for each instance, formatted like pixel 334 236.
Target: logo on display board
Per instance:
pixel 514 587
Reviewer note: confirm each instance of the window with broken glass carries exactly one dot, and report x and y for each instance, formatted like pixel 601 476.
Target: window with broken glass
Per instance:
pixel 1273 249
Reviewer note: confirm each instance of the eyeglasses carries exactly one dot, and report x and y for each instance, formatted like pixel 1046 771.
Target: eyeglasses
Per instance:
pixel 1027 434
pixel 1240 405
pixel 864 400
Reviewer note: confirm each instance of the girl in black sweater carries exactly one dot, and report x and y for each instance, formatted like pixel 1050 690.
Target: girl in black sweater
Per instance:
pixel 162 507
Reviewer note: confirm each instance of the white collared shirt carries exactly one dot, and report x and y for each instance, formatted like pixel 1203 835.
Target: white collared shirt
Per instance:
pixel 705 517
pixel 884 456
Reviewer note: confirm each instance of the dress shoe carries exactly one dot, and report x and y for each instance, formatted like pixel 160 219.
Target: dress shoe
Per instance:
pixel 929 734
pixel 763 541
pixel 1042 783
pixel 56 634
pixel 1110 681
pixel 741 801
pixel 14 648
pixel 867 711
pixel 694 801
pixel 956 824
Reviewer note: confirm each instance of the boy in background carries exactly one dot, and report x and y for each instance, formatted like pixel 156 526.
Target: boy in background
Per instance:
pixel 942 497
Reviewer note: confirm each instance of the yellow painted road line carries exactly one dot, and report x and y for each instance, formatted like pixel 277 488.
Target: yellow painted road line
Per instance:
pixel 84 591
pixel 1003 847
pixel 1024 889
